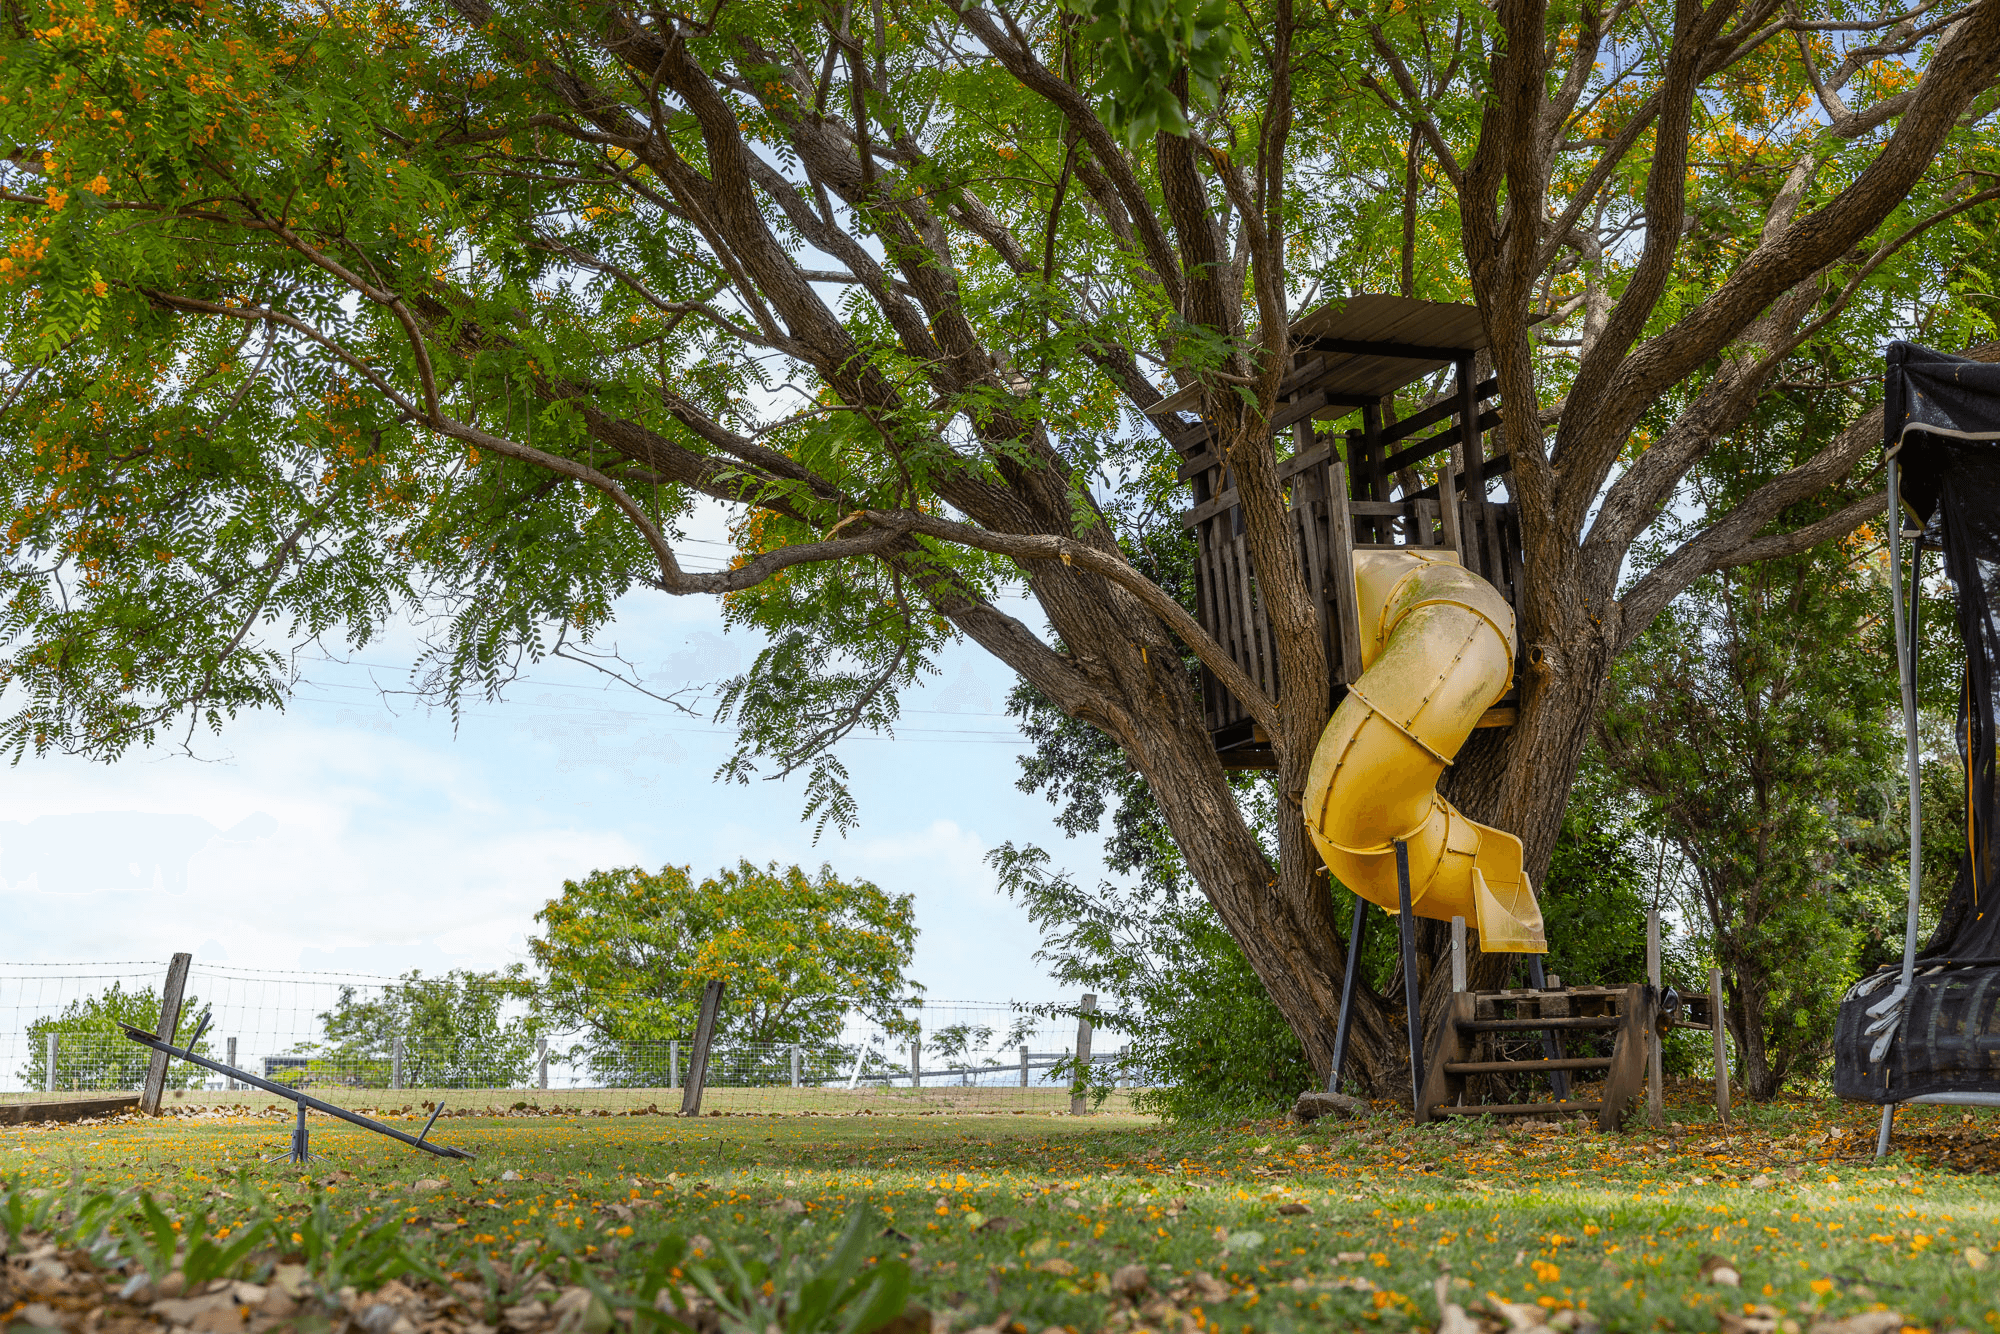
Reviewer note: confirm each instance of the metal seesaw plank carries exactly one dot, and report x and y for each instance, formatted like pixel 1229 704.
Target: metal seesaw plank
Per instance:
pixel 146 1039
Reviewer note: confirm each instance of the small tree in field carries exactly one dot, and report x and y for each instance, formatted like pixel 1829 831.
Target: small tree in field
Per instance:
pixel 453 1030
pixel 458 307
pixel 92 1052
pixel 625 955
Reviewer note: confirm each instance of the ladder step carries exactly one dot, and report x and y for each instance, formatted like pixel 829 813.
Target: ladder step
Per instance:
pixel 1526 1067
pixel 1517 1108
pixel 1533 1025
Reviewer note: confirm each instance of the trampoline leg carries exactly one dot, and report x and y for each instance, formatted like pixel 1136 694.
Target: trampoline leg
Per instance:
pixel 1882 1136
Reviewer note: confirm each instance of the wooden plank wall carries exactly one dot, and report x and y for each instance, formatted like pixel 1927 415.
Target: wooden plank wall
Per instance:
pixel 1337 503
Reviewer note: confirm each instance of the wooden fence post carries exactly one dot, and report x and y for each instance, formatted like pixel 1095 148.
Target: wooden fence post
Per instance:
pixel 232 1061
pixel 396 1062
pixel 1080 1079
pixel 541 1062
pixel 1024 1065
pixel 704 1033
pixel 170 1020
pixel 49 1066
pixel 1721 1036
pixel 1655 1091
pixel 917 1057
pixel 1457 954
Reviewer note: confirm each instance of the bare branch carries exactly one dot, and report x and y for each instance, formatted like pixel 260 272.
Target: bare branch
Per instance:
pixel 1112 566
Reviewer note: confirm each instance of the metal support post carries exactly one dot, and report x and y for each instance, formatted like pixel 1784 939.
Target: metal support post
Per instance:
pixel 170 1022
pixel 1407 926
pixel 1655 1091
pixel 1079 1081
pixel 1721 1036
pixel 1906 672
pixel 1355 930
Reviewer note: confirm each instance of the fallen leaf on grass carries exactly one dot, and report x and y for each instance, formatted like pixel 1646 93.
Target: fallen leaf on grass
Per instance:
pixel 1720 1272
pixel 1868 1322
pixel 1755 1320
pixel 1521 1317
pixel 1205 1287
pixel 1292 1209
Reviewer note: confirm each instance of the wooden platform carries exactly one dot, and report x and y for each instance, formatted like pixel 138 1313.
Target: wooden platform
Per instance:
pixel 67 1109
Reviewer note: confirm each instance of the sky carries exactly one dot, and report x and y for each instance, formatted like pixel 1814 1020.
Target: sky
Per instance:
pixel 355 833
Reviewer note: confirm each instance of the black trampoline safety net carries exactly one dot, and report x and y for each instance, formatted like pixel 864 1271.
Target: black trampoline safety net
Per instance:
pixel 1941 1033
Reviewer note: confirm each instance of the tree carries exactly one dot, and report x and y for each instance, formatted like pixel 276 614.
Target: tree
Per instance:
pixel 1201 1034
pixel 92 1052
pixel 1758 716
pixel 626 954
pixel 453 1031
pixel 456 306
pixel 1206 1036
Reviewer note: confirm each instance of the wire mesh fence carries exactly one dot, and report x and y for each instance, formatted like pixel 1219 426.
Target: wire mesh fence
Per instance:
pixel 59 1033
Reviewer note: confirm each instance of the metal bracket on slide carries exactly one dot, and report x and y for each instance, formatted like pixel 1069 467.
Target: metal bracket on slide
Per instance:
pixel 299 1151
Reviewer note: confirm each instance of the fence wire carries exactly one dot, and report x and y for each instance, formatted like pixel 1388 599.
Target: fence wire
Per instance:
pixel 58 1033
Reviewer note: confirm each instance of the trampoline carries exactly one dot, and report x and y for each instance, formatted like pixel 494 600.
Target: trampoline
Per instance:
pixel 1929 1030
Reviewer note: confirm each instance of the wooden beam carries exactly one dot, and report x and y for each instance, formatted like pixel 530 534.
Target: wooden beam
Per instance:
pixel 1346 609
pixel 1443 410
pixel 1364 347
pixel 704 1035
pixel 1472 458
pixel 1378 489
pixel 170 1021
pixel 1443 440
pixel 1079 1086
pixel 1305 406
pixel 1497 466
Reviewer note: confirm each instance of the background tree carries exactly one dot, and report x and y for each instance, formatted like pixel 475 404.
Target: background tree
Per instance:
pixel 625 954
pixel 1759 718
pixel 93 1053
pixel 455 1032
pixel 457 311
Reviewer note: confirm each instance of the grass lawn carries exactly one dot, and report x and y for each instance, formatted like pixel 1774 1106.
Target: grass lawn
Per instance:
pixel 1028 1218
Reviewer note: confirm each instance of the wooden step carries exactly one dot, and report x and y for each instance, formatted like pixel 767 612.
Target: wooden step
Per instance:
pixel 1607 1021
pixel 1541 1066
pixel 1457 1056
pixel 1517 1108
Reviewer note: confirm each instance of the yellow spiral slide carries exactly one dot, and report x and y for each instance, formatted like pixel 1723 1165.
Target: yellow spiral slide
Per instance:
pixel 1437 649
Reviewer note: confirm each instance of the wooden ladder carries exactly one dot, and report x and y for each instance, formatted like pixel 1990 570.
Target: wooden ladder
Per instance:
pixel 1463 1049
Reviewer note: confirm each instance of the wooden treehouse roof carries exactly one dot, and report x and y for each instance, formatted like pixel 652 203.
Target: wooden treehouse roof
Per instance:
pixel 1360 349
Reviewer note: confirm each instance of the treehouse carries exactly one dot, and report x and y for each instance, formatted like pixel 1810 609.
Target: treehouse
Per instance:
pixel 1357 480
